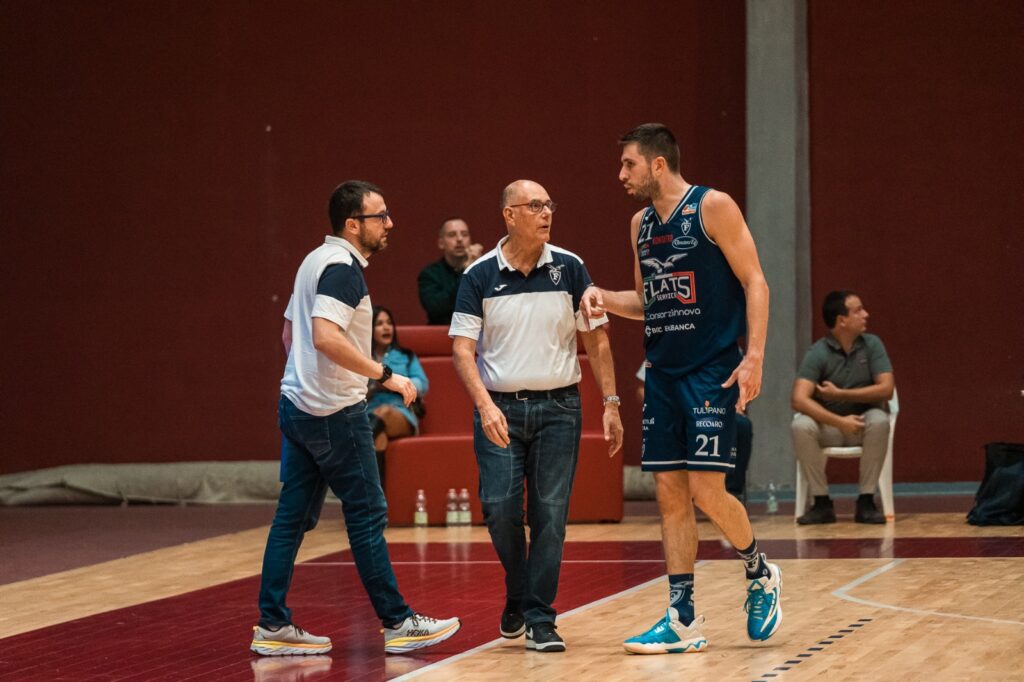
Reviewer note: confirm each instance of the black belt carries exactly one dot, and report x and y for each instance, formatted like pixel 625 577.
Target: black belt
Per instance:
pixel 553 394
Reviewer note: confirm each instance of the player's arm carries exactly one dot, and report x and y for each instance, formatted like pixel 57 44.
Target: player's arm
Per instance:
pixel 599 350
pixel 724 223
pixel 286 336
pixel 628 303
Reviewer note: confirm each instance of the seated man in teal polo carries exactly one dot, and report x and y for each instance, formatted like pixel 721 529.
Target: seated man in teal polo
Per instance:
pixel 841 392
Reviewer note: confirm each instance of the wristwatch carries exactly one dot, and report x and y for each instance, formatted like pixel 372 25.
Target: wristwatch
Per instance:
pixel 386 375
pixel 611 399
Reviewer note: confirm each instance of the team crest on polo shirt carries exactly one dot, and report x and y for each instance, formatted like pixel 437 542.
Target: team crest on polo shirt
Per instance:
pixel 555 272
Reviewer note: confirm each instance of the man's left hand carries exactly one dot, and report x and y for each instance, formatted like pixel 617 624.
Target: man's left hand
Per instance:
pixel 474 251
pixel 748 375
pixel 612 429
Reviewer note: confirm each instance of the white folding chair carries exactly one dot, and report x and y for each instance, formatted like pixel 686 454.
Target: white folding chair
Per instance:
pixel 884 479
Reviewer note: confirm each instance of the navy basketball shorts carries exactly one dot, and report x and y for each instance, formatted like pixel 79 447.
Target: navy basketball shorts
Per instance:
pixel 690 421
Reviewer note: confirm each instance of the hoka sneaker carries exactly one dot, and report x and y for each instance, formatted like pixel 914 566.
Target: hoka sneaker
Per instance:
pixel 418 631
pixel 669 636
pixel 287 640
pixel 764 605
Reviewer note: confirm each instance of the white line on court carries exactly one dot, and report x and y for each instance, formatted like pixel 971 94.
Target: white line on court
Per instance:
pixel 841 593
pixel 495 642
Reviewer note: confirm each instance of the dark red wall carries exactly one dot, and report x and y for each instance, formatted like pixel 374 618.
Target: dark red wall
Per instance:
pixel 916 198
pixel 166 166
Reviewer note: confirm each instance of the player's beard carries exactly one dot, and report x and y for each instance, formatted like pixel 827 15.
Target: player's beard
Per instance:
pixel 647 189
pixel 371 244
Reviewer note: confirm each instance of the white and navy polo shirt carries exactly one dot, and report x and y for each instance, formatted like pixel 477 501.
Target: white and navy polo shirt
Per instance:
pixel 524 325
pixel 329 284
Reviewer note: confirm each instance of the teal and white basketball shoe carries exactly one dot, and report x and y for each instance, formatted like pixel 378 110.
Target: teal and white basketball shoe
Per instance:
pixel 669 636
pixel 764 605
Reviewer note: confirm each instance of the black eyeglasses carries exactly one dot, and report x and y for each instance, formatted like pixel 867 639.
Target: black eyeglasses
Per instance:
pixel 383 217
pixel 536 206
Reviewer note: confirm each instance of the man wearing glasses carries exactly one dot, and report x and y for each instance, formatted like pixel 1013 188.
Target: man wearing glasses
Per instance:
pixel 327 440
pixel 514 329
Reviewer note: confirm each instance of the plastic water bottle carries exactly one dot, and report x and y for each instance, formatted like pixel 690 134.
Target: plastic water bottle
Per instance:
pixel 419 517
pixel 773 503
pixel 465 515
pixel 451 516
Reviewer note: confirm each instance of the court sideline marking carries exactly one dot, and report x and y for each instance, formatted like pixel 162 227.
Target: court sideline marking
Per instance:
pixel 458 562
pixel 495 642
pixel 842 594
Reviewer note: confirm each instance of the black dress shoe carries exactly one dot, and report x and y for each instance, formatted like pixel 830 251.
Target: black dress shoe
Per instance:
pixel 867 512
pixel 821 512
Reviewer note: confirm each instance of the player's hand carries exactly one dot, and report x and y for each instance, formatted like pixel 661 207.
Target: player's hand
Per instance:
pixel 474 251
pixel 748 376
pixel 851 424
pixel 612 423
pixel 827 391
pixel 403 386
pixel 494 424
pixel 592 303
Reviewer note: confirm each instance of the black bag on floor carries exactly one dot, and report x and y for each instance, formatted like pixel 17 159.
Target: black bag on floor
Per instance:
pixel 1000 499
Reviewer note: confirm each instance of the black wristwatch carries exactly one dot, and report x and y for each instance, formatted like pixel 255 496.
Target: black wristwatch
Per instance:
pixel 386 375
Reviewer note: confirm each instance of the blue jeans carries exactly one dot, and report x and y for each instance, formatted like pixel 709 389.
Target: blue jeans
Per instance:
pixel 317 452
pixel 545 441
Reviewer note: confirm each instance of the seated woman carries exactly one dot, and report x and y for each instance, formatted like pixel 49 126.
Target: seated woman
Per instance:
pixel 389 417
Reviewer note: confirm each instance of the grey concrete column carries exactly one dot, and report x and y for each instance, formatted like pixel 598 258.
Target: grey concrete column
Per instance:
pixel 778 212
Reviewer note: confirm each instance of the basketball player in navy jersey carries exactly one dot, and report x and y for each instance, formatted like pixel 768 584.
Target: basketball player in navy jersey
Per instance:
pixel 699 288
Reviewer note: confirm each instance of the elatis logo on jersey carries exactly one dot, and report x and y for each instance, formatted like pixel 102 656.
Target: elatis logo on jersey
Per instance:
pixel 664 286
pixel 555 272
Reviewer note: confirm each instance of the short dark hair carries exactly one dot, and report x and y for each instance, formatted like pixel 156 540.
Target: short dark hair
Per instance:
pixel 834 306
pixel 654 140
pixel 347 201
pixel 447 220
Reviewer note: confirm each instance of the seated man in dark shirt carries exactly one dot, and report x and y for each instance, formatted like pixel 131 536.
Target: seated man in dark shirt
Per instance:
pixel 439 281
pixel 841 392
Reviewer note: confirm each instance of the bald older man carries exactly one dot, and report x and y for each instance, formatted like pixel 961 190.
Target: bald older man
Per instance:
pixel 514 329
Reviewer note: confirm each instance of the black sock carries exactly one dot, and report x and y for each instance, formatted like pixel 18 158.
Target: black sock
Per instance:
pixel 822 500
pixel 754 561
pixel 680 595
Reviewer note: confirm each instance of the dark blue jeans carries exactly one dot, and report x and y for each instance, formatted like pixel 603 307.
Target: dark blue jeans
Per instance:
pixel 317 452
pixel 545 441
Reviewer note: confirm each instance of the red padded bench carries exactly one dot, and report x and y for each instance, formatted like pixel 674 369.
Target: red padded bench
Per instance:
pixel 442 457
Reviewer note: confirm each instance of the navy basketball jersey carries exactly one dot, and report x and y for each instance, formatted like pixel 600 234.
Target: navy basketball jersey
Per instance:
pixel 694 307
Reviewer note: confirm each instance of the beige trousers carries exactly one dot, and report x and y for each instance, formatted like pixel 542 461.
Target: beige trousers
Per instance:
pixel 809 437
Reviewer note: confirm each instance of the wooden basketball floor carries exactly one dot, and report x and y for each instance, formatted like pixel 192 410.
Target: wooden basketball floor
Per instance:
pixel 925 598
